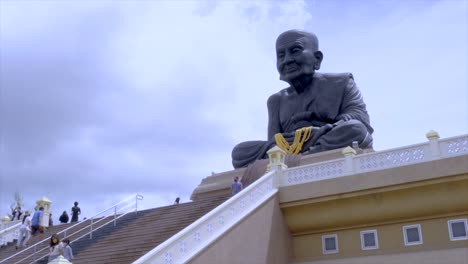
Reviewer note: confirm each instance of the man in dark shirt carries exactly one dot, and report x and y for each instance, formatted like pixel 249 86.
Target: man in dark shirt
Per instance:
pixel 75 211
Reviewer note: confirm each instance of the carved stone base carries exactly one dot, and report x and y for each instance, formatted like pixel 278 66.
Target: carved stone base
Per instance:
pixel 219 184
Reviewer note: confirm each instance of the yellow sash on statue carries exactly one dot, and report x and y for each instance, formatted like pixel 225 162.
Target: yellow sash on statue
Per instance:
pixel 300 137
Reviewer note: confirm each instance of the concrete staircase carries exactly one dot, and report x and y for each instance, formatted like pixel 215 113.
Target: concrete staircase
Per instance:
pixel 133 236
pixel 10 249
pixel 148 230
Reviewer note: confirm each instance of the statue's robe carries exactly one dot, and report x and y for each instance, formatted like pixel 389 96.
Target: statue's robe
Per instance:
pixel 331 99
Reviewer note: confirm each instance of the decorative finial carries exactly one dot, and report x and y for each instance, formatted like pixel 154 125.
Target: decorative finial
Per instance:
pixel 432 135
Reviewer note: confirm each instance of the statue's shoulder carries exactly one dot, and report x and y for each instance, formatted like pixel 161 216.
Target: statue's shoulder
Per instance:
pixel 279 94
pixel 334 77
pixel 275 98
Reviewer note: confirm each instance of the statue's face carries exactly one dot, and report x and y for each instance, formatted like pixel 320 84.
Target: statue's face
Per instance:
pixel 296 55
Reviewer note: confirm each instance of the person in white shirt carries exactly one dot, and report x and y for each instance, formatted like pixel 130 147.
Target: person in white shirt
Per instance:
pixel 24 231
pixel 56 247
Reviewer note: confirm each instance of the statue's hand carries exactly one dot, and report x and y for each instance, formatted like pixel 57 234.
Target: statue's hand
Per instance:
pixel 303 116
pixel 317 132
pixel 289 136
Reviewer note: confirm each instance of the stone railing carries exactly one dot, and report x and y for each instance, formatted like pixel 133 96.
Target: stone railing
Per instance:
pixel 454 146
pixel 353 164
pixel 6 223
pixel 9 232
pixel 316 172
pixel 191 240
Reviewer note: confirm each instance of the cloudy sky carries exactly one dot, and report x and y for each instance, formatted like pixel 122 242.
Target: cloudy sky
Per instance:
pixel 103 99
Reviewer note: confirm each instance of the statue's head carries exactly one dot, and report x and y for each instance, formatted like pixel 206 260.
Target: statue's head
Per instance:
pixel 297 54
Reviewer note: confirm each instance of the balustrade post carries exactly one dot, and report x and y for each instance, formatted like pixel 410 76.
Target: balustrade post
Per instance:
pixel 136 204
pixel 5 221
pixel 276 156
pixel 91 229
pixel 349 154
pixel 434 146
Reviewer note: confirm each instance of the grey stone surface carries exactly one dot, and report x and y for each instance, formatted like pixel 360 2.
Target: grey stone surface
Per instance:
pixel 330 103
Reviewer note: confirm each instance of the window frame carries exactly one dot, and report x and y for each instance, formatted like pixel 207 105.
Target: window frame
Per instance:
pixel 376 238
pixel 462 220
pixel 405 237
pixel 324 249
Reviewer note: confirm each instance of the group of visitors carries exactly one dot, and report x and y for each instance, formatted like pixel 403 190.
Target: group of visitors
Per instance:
pixel 58 248
pixel 31 225
pixel 16 213
pixel 75 212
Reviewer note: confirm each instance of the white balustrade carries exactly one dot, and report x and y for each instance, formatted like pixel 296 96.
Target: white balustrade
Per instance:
pixel 391 158
pixel 200 234
pixel 353 164
pixel 5 225
pixel 10 233
pixel 454 146
pixel 315 172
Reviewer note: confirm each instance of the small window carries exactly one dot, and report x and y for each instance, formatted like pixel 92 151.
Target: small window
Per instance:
pixel 413 235
pixel 458 229
pixel 369 240
pixel 330 244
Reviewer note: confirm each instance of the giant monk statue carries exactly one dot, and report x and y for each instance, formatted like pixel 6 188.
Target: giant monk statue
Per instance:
pixel 317 112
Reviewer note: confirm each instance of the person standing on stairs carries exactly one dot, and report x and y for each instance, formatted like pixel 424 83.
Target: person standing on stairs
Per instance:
pixel 36 221
pixel 236 186
pixel 67 250
pixel 75 211
pixel 24 231
pixel 64 218
pixel 56 247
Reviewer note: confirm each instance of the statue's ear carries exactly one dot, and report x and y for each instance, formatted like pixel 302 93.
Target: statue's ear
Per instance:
pixel 318 59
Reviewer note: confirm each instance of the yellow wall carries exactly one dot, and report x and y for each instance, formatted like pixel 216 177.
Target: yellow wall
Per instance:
pixel 435 236
pixel 428 194
pixel 381 206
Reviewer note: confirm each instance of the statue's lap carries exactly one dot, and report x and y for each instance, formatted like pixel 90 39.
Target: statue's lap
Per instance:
pixel 341 135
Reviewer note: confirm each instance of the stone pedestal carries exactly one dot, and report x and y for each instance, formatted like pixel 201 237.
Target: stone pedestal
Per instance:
pixel 46 203
pixel 219 184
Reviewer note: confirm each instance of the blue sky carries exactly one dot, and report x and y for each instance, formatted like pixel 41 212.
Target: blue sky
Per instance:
pixel 102 99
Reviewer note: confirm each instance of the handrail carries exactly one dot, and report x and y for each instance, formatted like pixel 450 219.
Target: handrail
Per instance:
pixel 133 198
pixel 124 200
pixel 9 233
pixel 90 233
pixel 187 243
pixel 10 228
